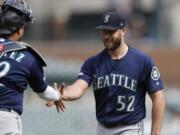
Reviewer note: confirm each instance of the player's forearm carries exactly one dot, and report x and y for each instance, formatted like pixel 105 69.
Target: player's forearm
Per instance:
pixel 157 118
pixel 157 115
pixel 75 91
pixel 72 93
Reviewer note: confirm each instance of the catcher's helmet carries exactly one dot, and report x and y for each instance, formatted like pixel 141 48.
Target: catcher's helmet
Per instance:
pixel 13 15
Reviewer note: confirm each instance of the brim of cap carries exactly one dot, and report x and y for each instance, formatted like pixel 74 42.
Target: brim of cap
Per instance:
pixel 105 27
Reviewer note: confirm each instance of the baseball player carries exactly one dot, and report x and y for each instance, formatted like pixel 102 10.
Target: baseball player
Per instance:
pixel 20 65
pixel 121 76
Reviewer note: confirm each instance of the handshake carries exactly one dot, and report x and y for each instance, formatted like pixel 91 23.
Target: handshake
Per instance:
pixel 70 93
pixel 59 103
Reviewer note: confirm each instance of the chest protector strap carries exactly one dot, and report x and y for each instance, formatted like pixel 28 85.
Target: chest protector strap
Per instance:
pixel 10 46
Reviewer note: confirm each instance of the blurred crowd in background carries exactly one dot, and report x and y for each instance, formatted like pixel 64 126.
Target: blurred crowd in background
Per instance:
pixel 64 32
pixel 149 20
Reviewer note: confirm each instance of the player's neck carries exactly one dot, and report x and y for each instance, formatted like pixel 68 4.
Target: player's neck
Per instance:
pixel 119 52
pixel 13 37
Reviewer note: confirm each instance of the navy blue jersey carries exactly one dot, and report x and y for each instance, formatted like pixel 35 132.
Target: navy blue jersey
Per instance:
pixel 17 70
pixel 120 85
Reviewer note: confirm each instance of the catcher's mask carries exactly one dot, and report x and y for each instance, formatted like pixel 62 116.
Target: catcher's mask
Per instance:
pixel 13 15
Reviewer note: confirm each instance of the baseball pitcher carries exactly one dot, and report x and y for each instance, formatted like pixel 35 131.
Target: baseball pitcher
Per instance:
pixel 121 76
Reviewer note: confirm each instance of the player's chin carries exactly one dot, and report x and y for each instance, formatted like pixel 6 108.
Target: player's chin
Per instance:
pixel 108 45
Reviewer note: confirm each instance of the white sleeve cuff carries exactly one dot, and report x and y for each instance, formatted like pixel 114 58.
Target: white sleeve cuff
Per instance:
pixel 50 94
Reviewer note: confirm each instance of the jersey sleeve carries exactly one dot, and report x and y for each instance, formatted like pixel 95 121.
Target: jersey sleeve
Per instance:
pixel 153 79
pixel 86 72
pixel 37 79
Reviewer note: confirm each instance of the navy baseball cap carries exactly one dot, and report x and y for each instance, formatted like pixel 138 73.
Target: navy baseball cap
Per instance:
pixel 112 21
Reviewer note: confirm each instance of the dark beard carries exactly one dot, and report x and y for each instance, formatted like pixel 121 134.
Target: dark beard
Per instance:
pixel 116 44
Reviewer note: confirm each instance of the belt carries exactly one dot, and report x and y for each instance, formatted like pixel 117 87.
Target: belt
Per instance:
pixel 117 124
pixel 9 110
pixel 112 125
pixel 5 109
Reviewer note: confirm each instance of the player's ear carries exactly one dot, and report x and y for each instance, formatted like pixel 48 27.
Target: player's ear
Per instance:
pixel 20 32
pixel 123 31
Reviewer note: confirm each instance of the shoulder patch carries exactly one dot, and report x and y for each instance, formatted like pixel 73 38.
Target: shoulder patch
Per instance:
pixel 155 75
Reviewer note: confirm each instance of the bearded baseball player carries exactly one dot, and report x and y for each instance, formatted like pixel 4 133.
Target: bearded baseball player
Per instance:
pixel 121 76
pixel 20 65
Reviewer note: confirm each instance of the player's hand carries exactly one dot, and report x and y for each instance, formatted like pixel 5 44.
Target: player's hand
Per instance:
pixel 50 103
pixel 60 104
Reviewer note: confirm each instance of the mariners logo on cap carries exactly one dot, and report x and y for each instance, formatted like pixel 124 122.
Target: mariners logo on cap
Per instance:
pixel 106 18
pixel 155 75
pixel 121 24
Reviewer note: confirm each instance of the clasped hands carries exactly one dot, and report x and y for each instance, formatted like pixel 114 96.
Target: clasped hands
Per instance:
pixel 59 104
